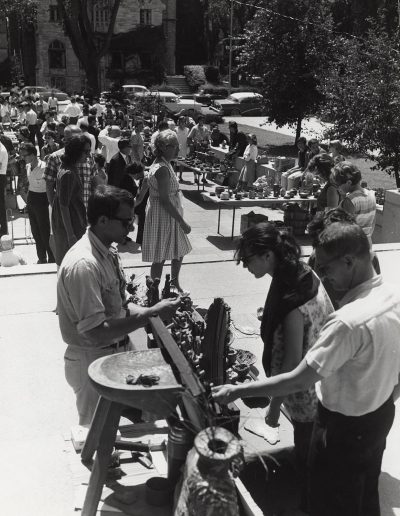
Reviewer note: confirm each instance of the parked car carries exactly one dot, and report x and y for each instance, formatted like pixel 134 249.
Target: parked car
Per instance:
pixel 134 89
pixel 207 95
pixel 243 103
pixel 45 92
pixel 174 103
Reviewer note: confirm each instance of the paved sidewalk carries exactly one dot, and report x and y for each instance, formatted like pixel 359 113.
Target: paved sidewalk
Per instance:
pixel 37 406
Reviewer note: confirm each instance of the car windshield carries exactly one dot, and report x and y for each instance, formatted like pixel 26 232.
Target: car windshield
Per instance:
pixel 233 99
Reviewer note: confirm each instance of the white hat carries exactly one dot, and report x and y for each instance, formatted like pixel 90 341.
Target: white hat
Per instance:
pixel 6 242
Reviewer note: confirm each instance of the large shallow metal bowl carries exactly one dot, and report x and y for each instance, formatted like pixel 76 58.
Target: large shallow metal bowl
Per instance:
pixel 108 375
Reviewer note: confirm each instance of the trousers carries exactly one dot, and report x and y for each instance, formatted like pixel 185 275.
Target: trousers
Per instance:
pixel 3 215
pixel 345 461
pixel 38 212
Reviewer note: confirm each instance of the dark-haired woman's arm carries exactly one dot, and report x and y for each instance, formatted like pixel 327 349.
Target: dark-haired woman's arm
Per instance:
pixel 293 334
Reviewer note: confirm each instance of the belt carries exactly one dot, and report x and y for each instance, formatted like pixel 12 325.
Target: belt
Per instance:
pixel 121 344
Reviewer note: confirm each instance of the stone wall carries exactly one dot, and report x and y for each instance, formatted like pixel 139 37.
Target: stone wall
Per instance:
pixel 163 13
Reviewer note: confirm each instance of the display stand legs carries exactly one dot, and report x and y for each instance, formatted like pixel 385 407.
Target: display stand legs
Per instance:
pixel 101 438
pixel 233 222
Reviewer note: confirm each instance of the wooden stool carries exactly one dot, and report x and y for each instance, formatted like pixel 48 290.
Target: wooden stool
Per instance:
pixel 108 376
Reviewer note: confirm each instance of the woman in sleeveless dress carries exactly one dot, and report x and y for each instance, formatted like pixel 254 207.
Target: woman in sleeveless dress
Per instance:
pixel 165 230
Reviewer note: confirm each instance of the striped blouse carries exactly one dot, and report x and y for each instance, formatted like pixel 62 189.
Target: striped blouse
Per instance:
pixel 365 209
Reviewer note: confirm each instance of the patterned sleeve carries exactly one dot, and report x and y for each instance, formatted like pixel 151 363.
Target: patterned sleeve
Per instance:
pixel 51 170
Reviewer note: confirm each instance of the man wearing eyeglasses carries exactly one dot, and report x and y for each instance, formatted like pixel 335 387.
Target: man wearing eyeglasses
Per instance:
pixel 91 295
pixel 355 365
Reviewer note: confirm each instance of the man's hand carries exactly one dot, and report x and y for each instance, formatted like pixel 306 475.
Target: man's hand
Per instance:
pixel 167 307
pixel 224 394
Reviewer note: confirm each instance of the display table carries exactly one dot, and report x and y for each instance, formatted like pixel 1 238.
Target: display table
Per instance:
pixel 268 202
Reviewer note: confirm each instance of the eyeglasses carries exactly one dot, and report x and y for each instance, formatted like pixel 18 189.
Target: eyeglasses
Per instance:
pixel 246 259
pixel 125 222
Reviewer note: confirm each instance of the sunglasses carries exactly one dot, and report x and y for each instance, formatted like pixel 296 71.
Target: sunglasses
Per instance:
pixel 125 222
pixel 246 259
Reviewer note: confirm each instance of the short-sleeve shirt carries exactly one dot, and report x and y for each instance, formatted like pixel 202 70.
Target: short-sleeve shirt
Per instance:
pixel 85 170
pixel 90 289
pixel 358 350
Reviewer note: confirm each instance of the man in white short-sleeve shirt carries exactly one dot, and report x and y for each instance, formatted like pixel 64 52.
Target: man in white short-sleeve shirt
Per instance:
pixel 91 295
pixel 355 364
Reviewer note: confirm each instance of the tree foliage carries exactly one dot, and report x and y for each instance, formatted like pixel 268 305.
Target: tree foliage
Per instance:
pixel 290 56
pixel 23 11
pixel 362 97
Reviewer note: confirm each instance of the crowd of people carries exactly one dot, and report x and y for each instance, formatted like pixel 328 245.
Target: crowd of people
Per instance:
pixel 329 328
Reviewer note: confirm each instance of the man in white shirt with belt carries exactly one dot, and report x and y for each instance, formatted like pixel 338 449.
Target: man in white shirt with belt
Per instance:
pixel 73 111
pixel 355 365
pixel 31 121
pixel 109 137
pixel 3 184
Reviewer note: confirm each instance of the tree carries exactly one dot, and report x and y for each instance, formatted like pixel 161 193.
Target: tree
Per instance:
pixel 89 46
pixel 362 97
pixel 23 10
pixel 290 46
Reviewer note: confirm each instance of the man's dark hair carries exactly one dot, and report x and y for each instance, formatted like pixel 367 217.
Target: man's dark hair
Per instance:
pixel 74 148
pixel 341 239
pixel 29 149
pixel 162 126
pixel 106 201
pixel 323 219
pixel 123 143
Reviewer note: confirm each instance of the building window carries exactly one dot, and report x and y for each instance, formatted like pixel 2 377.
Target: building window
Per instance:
pixel 101 15
pixel 145 17
pixel 56 54
pixel 57 82
pixel 54 13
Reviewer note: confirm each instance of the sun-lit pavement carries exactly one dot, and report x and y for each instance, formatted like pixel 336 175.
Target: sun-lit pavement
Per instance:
pixel 38 406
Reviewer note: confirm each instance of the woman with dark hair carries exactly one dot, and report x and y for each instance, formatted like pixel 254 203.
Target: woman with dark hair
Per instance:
pixel 247 175
pixel 322 165
pixel 296 308
pixel 68 216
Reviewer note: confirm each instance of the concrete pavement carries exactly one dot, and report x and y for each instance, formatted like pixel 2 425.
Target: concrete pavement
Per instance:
pixel 37 406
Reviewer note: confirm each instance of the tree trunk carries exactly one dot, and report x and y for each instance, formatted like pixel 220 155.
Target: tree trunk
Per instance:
pixel 298 128
pixel 397 177
pixel 92 75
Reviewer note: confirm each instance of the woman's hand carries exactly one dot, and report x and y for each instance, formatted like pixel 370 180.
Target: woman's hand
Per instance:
pixel 224 394
pixel 273 413
pixel 186 228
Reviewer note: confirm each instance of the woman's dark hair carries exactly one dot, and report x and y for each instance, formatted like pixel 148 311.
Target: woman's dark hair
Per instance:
pixel 134 168
pixel 74 148
pixel 324 219
pixel 264 237
pixel 105 201
pixel 162 126
pixel 123 143
pixel 345 171
pixel 322 164
pixel 29 149
pixel 302 139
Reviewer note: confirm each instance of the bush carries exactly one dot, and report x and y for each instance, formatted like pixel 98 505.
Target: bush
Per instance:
pixel 165 87
pixel 212 74
pixel 195 76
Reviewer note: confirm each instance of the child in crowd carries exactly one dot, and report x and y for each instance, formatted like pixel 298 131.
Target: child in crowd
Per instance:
pixel 8 257
pixel 50 146
pixel 100 176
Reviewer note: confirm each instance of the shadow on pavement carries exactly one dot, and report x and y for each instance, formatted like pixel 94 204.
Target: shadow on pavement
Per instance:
pixel 195 197
pixel 224 243
pixel 389 488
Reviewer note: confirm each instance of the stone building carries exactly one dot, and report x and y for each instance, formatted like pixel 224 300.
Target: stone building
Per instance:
pixel 143 41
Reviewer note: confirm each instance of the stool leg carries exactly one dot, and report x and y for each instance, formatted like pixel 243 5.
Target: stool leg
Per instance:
pixel 99 471
pixel 96 427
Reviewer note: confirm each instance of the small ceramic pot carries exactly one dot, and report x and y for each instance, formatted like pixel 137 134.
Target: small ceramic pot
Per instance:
pixel 159 491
